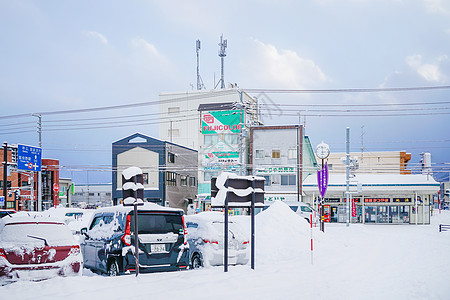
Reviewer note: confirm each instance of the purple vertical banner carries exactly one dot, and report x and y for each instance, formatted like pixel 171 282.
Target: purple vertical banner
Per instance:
pixel 322 180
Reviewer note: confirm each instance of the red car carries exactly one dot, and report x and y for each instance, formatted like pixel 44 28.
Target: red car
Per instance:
pixel 34 248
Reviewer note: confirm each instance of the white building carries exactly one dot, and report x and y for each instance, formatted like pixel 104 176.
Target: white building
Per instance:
pixel 179 116
pixel 284 157
pixel 382 198
pixel 92 195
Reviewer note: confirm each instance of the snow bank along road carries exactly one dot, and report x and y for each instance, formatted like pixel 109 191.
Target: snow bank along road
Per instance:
pixel 356 262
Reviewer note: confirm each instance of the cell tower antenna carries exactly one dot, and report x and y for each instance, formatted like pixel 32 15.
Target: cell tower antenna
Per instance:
pixel 222 54
pixel 362 143
pixel 200 84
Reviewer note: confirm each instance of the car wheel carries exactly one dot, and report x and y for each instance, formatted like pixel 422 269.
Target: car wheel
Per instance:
pixel 196 261
pixel 113 268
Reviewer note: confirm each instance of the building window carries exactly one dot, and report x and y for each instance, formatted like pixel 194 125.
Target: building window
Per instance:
pixel 173 132
pixel 145 178
pixel 171 157
pixel 259 154
pixel 210 139
pixel 231 139
pixel 292 153
pixel 209 175
pixel 267 181
pixel 191 181
pixel 288 180
pixel 275 179
pixel 276 153
pixel 8 184
pixel 171 178
pixel 173 110
pixel 183 180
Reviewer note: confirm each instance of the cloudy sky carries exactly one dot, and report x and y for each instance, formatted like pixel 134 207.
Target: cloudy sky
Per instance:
pixel 58 56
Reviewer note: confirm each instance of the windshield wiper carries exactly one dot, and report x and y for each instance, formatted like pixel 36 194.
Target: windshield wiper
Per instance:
pixel 39 238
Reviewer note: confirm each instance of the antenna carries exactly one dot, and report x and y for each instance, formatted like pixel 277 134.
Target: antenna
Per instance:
pixel 362 143
pixel 200 84
pixel 222 54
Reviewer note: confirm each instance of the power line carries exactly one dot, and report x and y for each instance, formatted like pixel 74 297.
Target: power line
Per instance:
pixel 348 90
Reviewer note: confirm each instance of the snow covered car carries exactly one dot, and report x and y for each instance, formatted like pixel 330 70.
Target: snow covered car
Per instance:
pixel 206 240
pixel 108 244
pixel 6 212
pixel 36 249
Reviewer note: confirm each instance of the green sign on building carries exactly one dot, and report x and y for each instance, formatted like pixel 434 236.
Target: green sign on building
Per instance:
pixel 224 121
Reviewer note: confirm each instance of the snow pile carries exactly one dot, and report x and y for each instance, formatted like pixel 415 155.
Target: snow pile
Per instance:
pixel 280 234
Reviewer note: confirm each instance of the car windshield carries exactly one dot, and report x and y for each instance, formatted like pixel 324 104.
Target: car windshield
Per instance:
pixel 156 223
pixel 306 209
pixel 55 234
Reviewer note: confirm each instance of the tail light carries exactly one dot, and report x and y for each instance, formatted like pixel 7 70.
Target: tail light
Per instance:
pixel 184 230
pixel 126 238
pixel 74 250
pixel 2 253
pixel 211 242
pixel 245 244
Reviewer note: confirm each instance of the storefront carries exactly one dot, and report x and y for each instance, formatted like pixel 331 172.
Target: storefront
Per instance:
pixel 384 199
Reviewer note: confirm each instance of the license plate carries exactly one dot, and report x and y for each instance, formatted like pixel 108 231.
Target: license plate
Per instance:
pixel 158 247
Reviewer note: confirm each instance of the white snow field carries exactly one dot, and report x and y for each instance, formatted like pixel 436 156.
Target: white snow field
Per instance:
pixel 355 262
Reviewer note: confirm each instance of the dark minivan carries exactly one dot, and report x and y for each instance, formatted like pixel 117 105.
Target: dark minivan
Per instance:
pixel 108 244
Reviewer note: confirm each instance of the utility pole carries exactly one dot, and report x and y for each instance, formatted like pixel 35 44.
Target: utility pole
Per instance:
pixel 5 173
pixel 347 174
pixel 39 183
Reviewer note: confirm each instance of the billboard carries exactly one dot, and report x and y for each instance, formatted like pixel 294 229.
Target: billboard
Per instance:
pixel 223 121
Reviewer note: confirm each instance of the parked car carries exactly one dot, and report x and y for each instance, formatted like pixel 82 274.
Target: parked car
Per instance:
pixel 37 248
pixel 108 244
pixel 6 212
pixel 206 240
pixel 302 209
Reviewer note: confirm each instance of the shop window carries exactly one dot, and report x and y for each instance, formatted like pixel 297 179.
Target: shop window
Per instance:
pixel 292 153
pixel 259 154
pixel 183 180
pixel 171 157
pixel 276 154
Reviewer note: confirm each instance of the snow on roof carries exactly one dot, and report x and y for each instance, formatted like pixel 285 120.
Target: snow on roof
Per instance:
pixel 376 179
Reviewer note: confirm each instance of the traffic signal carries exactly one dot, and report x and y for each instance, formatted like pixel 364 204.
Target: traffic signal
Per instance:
pixel 132 186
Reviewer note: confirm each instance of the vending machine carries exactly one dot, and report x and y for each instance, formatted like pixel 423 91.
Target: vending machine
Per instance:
pixel 327 213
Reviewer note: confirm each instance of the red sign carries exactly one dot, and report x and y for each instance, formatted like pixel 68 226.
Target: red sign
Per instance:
pixel 55 187
pixel 353 208
pixel 208 119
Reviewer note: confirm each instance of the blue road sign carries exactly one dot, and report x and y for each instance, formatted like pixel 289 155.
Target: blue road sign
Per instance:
pixel 29 158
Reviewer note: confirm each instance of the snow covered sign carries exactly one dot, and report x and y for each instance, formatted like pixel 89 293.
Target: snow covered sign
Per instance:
pixel 132 186
pixel 238 190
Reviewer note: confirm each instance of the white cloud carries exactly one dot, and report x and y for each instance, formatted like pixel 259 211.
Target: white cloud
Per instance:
pixel 437 6
pixel 274 68
pixel 428 71
pixel 139 42
pixel 98 36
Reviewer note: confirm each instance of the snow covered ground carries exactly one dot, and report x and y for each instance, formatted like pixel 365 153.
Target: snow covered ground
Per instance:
pixel 355 262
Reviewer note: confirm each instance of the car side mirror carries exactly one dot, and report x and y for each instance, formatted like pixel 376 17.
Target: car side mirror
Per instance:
pixel 83 231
